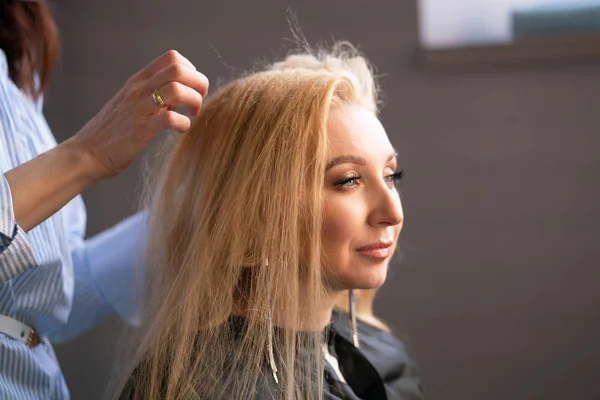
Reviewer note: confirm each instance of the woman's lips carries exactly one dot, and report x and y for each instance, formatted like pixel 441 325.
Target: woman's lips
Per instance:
pixel 379 250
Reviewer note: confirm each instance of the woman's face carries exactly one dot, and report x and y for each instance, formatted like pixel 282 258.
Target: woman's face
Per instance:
pixel 362 210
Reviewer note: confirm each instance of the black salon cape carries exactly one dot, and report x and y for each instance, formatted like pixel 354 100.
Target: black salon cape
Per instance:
pixel 379 370
pixel 384 352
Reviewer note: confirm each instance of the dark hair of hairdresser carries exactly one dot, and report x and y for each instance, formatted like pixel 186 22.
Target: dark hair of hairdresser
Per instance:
pixel 29 38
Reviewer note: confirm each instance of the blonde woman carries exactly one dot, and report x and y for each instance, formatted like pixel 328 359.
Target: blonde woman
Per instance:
pixel 280 197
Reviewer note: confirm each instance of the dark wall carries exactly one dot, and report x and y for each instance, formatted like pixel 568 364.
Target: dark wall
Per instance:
pixel 497 291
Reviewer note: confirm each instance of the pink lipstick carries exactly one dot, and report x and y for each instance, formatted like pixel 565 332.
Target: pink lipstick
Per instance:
pixel 380 249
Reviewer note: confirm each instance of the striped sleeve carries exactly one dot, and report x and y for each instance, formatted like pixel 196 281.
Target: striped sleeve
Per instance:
pixel 16 254
pixel 108 277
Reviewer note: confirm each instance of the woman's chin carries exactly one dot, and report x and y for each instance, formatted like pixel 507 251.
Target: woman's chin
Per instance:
pixel 372 284
pixel 359 278
pixel 369 281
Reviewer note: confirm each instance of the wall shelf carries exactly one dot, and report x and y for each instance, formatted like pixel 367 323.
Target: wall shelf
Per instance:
pixel 561 48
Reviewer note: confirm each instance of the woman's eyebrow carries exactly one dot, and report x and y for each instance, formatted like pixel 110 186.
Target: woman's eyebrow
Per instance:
pixel 393 155
pixel 350 159
pixel 347 159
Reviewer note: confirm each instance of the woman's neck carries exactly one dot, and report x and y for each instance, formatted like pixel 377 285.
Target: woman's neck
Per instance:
pixel 363 302
pixel 316 317
pixel 363 306
pixel 313 317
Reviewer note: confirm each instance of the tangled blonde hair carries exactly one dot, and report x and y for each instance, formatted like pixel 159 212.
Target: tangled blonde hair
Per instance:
pixel 242 186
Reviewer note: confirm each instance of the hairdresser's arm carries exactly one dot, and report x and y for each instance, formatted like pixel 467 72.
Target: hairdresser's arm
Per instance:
pixel 104 147
pixel 108 278
pixel 43 185
pixel 32 192
pixel 110 141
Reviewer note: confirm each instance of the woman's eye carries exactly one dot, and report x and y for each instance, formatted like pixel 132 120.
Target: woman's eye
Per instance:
pixel 349 182
pixel 395 177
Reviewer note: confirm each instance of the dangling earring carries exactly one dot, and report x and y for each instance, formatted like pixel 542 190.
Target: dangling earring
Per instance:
pixel 270 331
pixel 352 312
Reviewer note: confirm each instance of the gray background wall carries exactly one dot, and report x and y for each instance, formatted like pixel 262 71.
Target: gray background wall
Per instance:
pixel 497 293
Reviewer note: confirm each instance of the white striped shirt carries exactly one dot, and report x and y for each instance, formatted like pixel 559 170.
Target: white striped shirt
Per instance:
pixel 50 278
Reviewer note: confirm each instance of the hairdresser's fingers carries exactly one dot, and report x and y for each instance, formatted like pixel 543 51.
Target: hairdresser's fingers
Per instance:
pixel 125 125
pixel 174 95
pixel 171 57
pixel 178 73
pixel 166 119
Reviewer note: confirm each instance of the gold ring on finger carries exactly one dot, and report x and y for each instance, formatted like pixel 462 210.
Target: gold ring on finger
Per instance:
pixel 158 100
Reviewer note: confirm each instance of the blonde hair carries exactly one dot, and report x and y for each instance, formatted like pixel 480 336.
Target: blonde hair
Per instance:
pixel 244 185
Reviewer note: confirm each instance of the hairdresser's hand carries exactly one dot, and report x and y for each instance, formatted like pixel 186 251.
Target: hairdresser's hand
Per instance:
pixel 131 119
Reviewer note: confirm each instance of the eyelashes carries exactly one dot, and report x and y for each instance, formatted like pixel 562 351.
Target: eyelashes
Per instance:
pixel 396 177
pixel 351 181
pixel 348 181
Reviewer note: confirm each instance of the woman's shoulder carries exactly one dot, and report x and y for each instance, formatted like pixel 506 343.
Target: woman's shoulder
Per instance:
pixel 375 342
pixel 386 353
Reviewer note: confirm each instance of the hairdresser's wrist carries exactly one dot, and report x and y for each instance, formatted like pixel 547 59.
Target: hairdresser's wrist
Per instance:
pixel 43 185
pixel 87 170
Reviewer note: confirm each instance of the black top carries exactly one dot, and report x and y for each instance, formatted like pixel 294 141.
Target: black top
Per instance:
pixel 379 370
